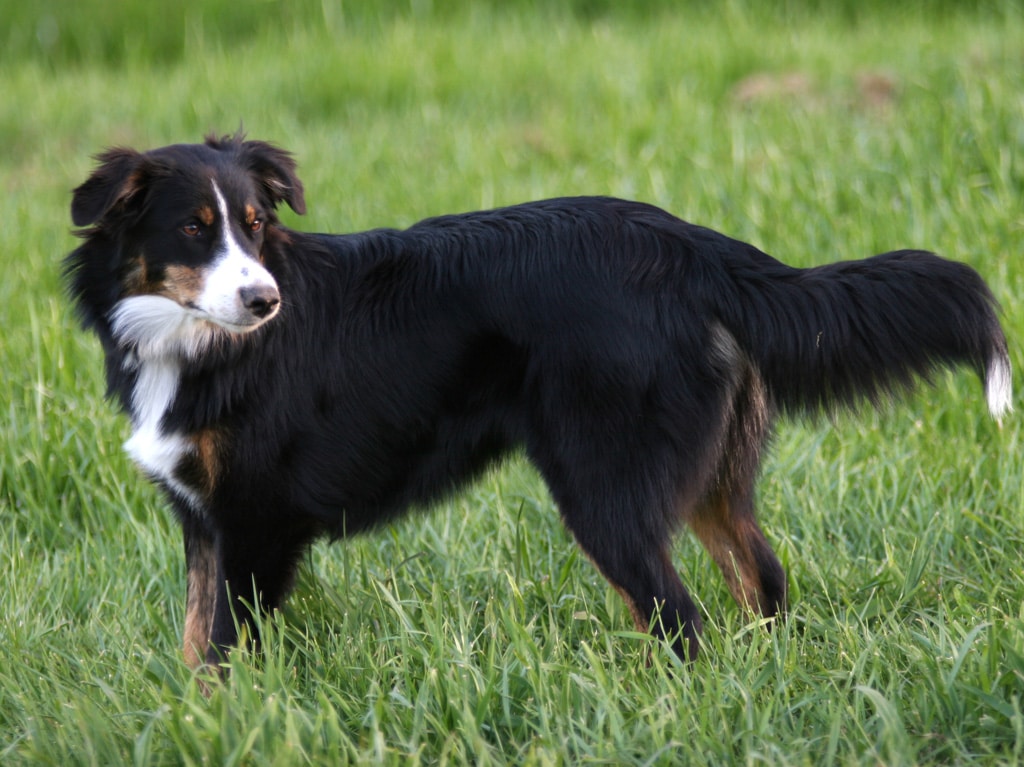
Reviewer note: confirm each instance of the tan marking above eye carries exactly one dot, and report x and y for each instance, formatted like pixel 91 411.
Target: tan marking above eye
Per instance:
pixel 252 219
pixel 205 214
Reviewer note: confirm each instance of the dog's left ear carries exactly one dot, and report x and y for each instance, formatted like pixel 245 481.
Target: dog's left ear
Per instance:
pixel 275 170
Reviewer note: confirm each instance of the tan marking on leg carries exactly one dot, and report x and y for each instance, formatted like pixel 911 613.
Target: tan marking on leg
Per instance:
pixel 724 518
pixel 727 548
pixel 728 540
pixel 642 621
pixel 201 600
pixel 651 621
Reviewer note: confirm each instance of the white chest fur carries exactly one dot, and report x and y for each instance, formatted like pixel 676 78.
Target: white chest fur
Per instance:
pixel 157 451
pixel 161 333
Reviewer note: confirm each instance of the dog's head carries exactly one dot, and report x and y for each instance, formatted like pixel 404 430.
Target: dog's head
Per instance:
pixel 180 236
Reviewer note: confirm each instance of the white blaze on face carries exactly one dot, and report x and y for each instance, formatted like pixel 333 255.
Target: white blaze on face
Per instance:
pixel 231 280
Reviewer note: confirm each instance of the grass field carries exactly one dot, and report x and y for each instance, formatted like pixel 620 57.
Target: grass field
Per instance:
pixel 476 634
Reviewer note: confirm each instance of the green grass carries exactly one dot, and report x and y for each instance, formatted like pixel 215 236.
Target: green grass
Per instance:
pixel 476 634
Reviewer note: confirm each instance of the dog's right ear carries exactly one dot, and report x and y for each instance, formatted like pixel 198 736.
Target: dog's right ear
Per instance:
pixel 113 183
pixel 274 169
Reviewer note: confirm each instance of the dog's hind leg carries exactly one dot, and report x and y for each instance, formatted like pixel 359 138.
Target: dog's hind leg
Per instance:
pixel 726 525
pixel 638 565
pixel 724 517
pixel 621 517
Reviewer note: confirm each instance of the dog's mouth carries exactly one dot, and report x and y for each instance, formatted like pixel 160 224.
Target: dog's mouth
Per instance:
pixel 252 307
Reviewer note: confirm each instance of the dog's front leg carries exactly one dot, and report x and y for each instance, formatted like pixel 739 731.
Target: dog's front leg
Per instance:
pixel 254 569
pixel 237 597
pixel 201 562
pixel 213 602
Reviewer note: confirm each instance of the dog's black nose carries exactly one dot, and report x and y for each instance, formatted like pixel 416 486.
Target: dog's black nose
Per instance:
pixel 260 300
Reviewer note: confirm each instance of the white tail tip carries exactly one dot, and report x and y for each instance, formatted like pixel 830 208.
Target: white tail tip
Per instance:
pixel 999 386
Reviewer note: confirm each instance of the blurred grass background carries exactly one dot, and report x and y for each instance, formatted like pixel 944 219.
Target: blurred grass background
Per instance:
pixel 475 634
pixel 123 32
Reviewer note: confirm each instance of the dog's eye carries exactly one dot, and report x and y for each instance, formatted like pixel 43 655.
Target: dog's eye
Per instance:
pixel 256 225
pixel 191 230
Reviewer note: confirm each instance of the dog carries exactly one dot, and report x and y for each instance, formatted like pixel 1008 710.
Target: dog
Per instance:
pixel 284 386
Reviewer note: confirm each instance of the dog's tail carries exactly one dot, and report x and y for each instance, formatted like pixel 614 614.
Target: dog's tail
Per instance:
pixel 832 335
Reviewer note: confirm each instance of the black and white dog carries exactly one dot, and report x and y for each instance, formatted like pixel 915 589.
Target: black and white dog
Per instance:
pixel 283 385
